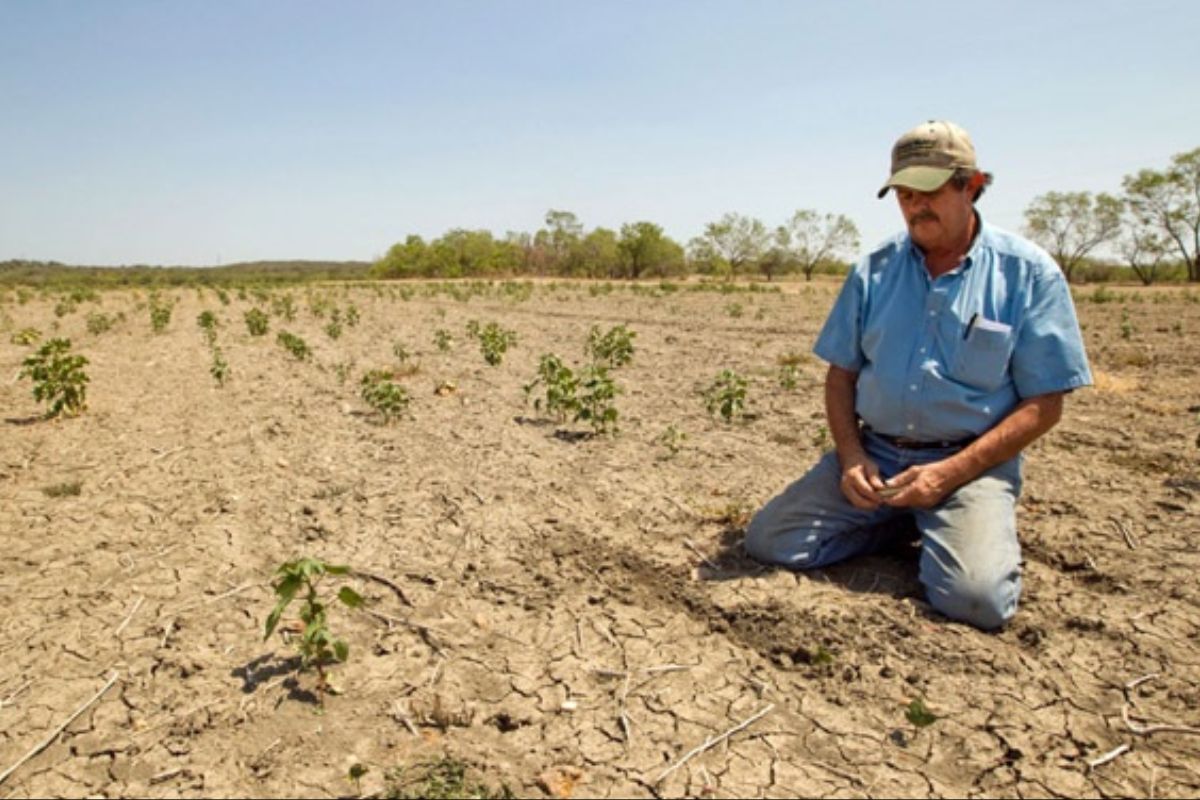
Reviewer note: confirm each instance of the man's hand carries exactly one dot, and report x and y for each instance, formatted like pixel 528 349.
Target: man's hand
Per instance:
pixel 861 482
pixel 922 486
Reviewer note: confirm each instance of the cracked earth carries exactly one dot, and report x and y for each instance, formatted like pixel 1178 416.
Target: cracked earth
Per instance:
pixel 568 614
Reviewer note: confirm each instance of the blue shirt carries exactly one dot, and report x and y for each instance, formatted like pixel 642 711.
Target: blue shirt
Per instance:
pixel 947 359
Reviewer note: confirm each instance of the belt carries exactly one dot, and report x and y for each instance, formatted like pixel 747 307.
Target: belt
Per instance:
pixel 905 443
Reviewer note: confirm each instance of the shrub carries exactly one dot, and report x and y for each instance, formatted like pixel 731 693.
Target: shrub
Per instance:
pixel 726 395
pixel 99 322
pixel 494 342
pixel 160 314
pixel 257 322
pixel 382 394
pixel 294 345
pixel 26 336
pixel 614 349
pixel 58 377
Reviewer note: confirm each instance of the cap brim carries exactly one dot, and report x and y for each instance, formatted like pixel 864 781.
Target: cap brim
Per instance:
pixel 922 179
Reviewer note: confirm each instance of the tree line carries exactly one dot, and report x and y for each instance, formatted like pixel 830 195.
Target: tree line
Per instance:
pixel 735 244
pixel 1152 227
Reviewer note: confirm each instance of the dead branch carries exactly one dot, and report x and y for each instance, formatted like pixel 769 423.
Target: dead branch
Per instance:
pixel 1147 730
pixel 687 543
pixel 713 742
pixel 50 739
pixel 380 579
pixel 1124 531
pixel 1111 755
pixel 129 616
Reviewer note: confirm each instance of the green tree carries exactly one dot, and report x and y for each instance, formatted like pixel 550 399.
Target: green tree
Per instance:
pixel 1170 201
pixel 809 238
pixel 645 250
pixel 740 241
pixel 1072 224
pixel 601 254
pixel 403 260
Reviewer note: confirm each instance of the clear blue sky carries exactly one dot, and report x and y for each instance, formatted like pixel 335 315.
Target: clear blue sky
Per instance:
pixel 168 132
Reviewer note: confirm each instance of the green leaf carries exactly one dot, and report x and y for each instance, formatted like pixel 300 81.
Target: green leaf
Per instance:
pixel 357 771
pixel 350 597
pixel 336 569
pixel 341 650
pixel 919 715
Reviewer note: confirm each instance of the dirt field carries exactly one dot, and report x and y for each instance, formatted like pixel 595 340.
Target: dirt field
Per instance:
pixel 568 614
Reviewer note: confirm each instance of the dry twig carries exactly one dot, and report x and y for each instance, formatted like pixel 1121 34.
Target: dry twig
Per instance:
pixel 1124 531
pixel 1147 730
pixel 713 742
pixel 1111 755
pixel 57 731
pixel 129 616
pixel 388 582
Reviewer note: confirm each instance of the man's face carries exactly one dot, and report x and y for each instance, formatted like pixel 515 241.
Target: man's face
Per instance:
pixel 938 220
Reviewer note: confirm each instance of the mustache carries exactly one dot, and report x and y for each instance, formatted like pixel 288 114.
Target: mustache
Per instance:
pixel 923 216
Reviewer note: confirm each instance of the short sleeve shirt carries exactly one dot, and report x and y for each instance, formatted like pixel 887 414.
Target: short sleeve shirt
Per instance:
pixel 947 359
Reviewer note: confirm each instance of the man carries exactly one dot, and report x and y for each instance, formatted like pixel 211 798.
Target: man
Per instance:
pixel 949 349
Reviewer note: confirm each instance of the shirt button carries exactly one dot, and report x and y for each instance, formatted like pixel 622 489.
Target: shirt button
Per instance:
pixel 933 313
pixel 922 350
pixel 911 426
pixel 913 387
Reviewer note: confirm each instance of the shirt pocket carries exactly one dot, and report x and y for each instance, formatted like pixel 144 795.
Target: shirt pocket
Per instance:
pixel 982 360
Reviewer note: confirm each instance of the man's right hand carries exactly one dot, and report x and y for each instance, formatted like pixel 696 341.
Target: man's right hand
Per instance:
pixel 861 482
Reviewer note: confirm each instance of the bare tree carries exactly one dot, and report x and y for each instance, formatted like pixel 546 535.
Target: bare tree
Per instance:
pixel 1170 201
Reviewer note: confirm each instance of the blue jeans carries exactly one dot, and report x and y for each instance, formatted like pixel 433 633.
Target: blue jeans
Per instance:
pixel 970 557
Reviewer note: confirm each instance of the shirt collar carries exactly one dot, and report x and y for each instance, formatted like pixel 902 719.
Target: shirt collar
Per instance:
pixel 968 260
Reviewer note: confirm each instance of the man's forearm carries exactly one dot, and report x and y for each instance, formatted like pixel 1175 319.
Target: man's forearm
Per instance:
pixel 840 388
pixel 1028 421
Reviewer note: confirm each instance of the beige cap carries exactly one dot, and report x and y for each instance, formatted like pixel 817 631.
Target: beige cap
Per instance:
pixel 926 157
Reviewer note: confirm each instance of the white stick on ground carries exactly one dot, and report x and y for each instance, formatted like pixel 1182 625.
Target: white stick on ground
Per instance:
pixel 50 739
pixel 1146 730
pixel 129 616
pixel 713 742
pixel 1109 756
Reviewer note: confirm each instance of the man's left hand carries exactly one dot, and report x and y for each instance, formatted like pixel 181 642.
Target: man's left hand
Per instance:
pixel 922 486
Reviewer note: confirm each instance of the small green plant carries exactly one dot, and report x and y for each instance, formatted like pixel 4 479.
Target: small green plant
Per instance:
pixel 207 321
pixel 734 310
pixel 284 306
pixel 343 369
pixel 820 439
pixel 596 399
pixel 1127 328
pixel 257 322
pixel 726 395
pixel 789 375
pixel 72 489
pixel 58 377
pixel 98 322
pixel 918 715
pixel 64 307
pixel 494 342
pixel 220 367
pixel 444 779
pixel 443 340
pixel 334 328
pixel 26 336
pixel 318 646
pixel 355 775
pixel 613 349
pixel 560 385
pixel 382 394
pixel 294 345
pixel 400 352
pixel 222 295
pixel 160 314
pixel 352 316
pixel 672 439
